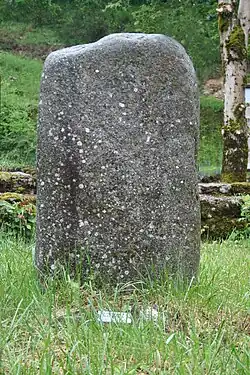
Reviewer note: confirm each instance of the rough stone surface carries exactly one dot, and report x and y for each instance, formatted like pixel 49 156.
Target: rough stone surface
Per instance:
pixel 220 215
pixel 117 144
pixel 220 206
pixel 215 188
pixel 18 182
pixel 219 188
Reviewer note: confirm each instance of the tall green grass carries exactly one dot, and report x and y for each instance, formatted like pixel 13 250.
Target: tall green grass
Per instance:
pixel 20 79
pixel 201 330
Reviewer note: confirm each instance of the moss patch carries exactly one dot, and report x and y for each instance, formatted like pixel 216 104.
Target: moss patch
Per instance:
pixel 235 156
pixel 5 176
pixel 240 188
pixel 215 229
pixel 239 121
pixel 221 215
pixel 224 21
pixel 235 147
pixel 15 197
pixel 235 45
pixel 231 177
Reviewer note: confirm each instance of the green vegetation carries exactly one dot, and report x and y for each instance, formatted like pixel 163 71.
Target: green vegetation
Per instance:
pixel 25 34
pixel 18 217
pixel 202 330
pixel 210 151
pixel 236 45
pixel 17 197
pixel 245 213
pixel 19 98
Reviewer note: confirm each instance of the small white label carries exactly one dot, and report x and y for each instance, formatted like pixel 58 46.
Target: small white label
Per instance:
pixel 105 316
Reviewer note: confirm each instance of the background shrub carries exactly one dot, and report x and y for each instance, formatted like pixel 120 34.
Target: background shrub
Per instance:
pixel 18 217
pixel 40 12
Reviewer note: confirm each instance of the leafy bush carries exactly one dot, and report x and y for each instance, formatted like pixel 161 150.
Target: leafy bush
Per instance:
pixel 18 217
pixel 194 24
pixel 85 22
pixel 81 21
pixel 41 12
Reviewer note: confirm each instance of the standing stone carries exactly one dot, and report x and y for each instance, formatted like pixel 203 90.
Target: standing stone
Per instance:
pixel 117 145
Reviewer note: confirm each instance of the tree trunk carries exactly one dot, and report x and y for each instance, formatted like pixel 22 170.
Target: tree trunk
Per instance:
pixel 234 29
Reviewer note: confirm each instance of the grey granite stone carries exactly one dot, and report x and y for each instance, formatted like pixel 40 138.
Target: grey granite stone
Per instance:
pixel 117 144
pixel 215 188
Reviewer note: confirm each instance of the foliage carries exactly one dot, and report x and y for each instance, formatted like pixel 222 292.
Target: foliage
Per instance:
pixel 25 35
pixel 193 26
pixel 41 12
pixel 84 22
pixel 245 210
pixel 245 218
pixel 18 217
pixel 192 23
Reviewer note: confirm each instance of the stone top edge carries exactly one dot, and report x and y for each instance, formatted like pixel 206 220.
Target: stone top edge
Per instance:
pixel 113 39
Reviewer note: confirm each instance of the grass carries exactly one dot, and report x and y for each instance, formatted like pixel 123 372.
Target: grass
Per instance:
pixel 26 34
pixel 8 162
pixel 20 79
pixel 210 151
pixel 202 330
